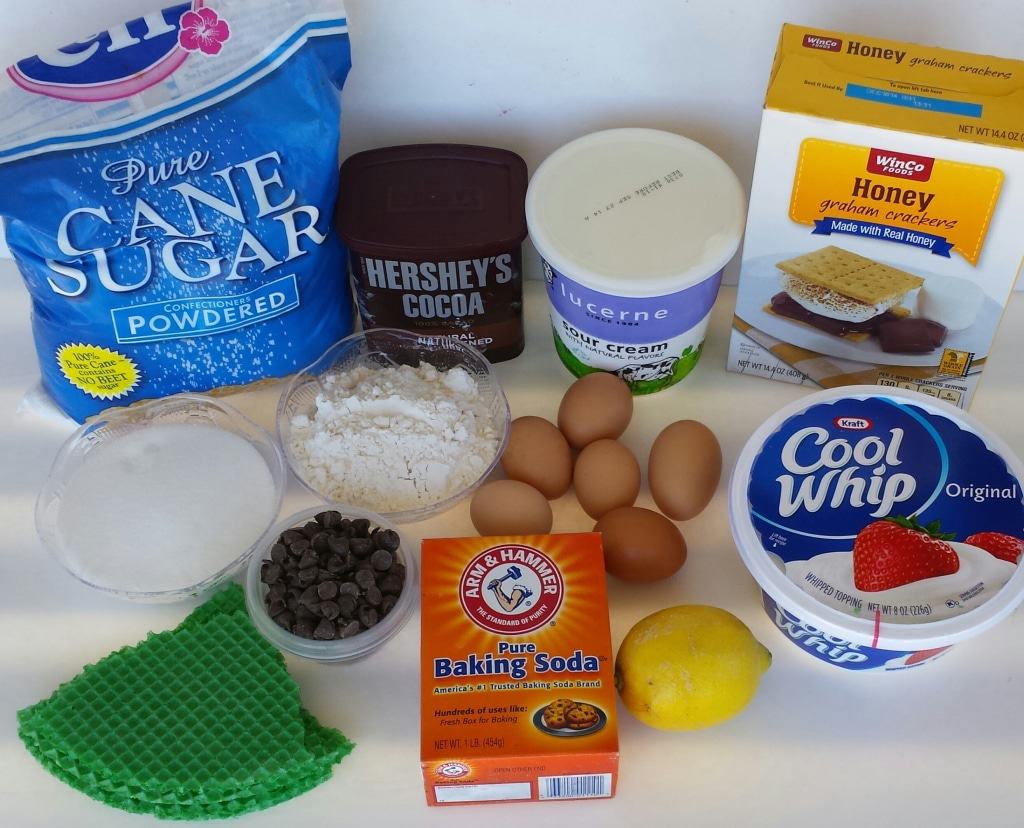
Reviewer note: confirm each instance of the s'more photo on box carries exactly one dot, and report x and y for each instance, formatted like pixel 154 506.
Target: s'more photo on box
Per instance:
pixel 883 235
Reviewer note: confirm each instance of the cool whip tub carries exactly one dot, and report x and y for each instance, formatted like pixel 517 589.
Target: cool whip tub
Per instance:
pixel 633 227
pixel 877 524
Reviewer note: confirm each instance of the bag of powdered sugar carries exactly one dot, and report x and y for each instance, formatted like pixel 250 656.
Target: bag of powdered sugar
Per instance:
pixel 167 188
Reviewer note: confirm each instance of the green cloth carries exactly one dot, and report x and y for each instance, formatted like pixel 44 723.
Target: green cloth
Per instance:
pixel 200 722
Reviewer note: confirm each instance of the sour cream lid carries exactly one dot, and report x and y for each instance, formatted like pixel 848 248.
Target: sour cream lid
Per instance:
pixel 635 211
pixel 885 516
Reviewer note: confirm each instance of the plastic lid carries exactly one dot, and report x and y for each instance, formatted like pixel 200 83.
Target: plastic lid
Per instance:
pixel 635 211
pixel 808 504
pixel 438 201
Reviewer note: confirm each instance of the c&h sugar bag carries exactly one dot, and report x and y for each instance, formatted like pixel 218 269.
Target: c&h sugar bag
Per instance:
pixel 167 188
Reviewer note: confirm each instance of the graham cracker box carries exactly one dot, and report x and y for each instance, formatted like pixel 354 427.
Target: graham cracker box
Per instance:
pixel 884 229
pixel 517 687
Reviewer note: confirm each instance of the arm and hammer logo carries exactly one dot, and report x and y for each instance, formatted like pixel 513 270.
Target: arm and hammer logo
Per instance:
pixel 511 589
pixel 453 770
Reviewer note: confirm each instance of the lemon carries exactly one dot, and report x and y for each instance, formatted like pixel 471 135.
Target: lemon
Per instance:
pixel 689 667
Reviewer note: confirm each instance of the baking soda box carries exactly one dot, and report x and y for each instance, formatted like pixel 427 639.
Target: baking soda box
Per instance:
pixel 518 694
pixel 884 229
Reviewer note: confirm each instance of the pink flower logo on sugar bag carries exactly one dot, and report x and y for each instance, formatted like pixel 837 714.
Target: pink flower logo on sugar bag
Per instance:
pixel 203 31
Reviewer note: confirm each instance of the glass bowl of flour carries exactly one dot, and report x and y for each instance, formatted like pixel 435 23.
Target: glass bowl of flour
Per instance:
pixel 161 501
pixel 402 424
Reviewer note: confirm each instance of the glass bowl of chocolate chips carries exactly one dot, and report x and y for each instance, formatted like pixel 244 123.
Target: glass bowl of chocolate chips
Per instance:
pixel 331 583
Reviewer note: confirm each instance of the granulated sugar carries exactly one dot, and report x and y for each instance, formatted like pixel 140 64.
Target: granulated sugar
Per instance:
pixel 164 507
pixel 395 438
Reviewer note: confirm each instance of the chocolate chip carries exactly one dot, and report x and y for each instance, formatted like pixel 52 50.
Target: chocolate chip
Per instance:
pixel 329 609
pixel 336 564
pixel 388 540
pixel 365 578
pixel 373 596
pixel 328 589
pixel 368 616
pixel 310 529
pixel 307 612
pixel 390 584
pixel 271 573
pixel 307 576
pixel 300 546
pixel 346 605
pixel 387 604
pixel 325 630
pixel 349 588
pixel 382 560
pixel 361 546
pixel 361 528
pixel 303 629
pixel 278 553
pixel 320 542
pixel 289 536
pixel 309 595
pixel 285 619
pixel 399 570
pixel 308 559
pixel 278 592
pixel 350 629
pixel 329 520
pixel 338 545
pixel 276 607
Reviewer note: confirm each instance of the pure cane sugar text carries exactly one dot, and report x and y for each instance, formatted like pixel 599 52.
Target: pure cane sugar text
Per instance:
pixel 518 696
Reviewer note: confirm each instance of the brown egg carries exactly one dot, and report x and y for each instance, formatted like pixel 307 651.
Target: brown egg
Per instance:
pixel 640 545
pixel 606 476
pixel 595 406
pixel 684 469
pixel 538 454
pixel 508 507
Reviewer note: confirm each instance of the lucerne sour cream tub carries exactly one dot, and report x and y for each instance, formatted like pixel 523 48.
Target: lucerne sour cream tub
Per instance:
pixel 633 227
pixel 880 525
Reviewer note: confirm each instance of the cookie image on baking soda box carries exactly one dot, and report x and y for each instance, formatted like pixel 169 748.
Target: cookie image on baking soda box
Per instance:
pixel 516 670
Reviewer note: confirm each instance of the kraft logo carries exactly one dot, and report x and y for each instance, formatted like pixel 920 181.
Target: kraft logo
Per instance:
pixel 852 423
pixel 900 164
pixel 126 59
pixel 828 44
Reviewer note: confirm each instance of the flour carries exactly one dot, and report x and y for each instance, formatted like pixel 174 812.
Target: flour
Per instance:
pixel 395 438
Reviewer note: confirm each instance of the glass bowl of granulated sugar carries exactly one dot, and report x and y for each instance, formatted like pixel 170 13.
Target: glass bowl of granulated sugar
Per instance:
pixel 403 424
pixel 161 501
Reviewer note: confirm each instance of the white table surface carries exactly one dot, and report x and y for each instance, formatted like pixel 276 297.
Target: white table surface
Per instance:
pixel 939 745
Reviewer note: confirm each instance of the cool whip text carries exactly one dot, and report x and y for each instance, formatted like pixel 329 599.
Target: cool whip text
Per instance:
pixel 854 473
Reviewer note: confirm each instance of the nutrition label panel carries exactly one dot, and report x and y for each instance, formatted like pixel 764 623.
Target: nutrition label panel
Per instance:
pixel 951 395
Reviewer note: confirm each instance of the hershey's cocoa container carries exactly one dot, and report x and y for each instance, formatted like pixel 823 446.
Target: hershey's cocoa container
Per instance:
pixel 434 233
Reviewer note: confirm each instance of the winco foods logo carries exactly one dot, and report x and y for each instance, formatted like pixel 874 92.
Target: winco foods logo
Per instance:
pixel 828 44
pixel 900 164
pixel 511 589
